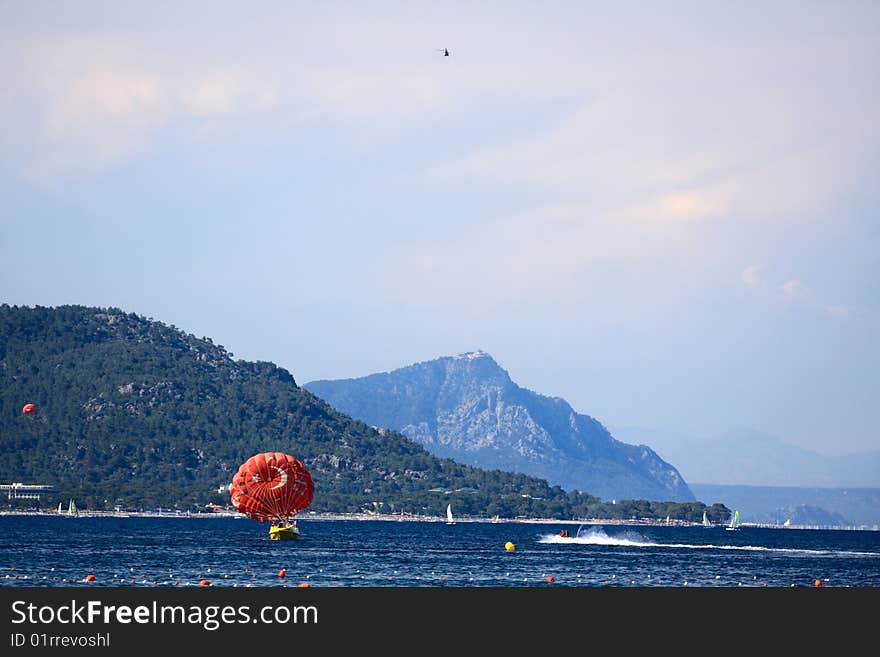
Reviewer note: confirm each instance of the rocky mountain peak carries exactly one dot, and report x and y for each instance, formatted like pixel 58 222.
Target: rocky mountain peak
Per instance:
pixel 466 407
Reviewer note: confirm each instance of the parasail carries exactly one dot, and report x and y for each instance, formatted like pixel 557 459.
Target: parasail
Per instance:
pixel 28 408
pixel 271 486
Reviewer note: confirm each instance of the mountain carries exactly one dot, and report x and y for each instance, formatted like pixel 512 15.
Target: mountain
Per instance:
pixel 839 507
pixel 467 408
pixel 757 459
pixel 136 413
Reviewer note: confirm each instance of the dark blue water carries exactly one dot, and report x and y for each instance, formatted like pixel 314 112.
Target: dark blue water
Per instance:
pixel 53 551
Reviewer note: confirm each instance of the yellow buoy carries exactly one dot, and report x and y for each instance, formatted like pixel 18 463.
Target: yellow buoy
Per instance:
pixel 510 547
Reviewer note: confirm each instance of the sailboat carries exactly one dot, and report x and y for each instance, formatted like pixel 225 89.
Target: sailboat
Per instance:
pixel 449 520
pixel 734 521
pixel 71 509
pixel 706 522
pixel 60 512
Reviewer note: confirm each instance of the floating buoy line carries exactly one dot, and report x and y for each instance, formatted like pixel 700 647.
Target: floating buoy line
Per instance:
pixel 313 576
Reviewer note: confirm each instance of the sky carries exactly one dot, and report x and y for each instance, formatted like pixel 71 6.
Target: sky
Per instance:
pixel 666 215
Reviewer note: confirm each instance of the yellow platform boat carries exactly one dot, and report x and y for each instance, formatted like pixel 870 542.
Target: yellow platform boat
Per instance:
pixel 284 532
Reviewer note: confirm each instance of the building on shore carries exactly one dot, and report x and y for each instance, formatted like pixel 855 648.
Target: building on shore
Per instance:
pixel 21 491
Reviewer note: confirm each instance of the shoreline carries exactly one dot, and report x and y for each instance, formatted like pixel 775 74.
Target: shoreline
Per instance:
pixel 380 517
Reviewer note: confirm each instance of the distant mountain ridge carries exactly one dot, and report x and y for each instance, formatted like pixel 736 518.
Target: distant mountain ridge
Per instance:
pixel 771 481
pixel 466 407
pixel 757 459
pixel 802 506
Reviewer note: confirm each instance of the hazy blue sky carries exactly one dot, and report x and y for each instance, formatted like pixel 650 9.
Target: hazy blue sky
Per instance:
pixel 667 215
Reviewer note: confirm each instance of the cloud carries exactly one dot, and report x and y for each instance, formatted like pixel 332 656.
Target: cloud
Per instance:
pixel 629 109
pixel 574 258
pixel 380 97
pixel 506 260
pixel 752 276
pixel 224 93
pixel 105 95
pixel 795 290
pixel 760 132
pixel 842 312
pixel 83 105
pixel 680 207
pixel 97 118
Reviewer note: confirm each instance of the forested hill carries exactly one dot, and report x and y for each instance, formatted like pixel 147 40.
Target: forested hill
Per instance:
pixel 136 413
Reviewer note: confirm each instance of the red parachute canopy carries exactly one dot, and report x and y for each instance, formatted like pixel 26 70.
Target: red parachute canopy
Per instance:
pixel 271 485
pixel 28 408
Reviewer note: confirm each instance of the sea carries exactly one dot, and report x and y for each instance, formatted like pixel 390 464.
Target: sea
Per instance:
pixel 52 551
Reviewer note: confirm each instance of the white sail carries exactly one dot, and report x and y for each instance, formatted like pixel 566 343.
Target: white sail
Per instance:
pixel 706 522
pixel 734 521
pixel 449 520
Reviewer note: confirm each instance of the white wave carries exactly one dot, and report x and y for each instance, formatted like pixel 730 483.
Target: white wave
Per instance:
pixel 597 536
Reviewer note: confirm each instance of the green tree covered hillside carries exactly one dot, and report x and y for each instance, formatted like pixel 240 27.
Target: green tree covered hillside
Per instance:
pixel 136 413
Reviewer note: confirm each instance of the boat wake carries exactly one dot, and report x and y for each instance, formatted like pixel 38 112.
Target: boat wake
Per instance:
pixel 598 536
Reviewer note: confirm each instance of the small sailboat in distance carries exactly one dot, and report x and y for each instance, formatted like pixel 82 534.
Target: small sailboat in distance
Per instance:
pixel 71 509
pixel 706 522
pixel 734 521
pixel 449 519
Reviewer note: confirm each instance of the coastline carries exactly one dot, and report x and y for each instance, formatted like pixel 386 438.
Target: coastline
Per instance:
pixel 384 517
pixel 369 517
